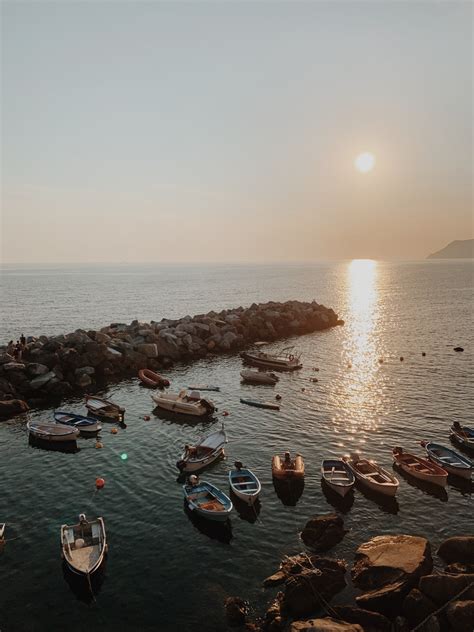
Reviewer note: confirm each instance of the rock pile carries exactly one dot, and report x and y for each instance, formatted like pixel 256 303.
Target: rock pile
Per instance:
pixel 57 366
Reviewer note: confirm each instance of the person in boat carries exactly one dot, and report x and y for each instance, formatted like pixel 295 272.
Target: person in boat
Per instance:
pixel 190 451
pixel 287 462
pixel 457 426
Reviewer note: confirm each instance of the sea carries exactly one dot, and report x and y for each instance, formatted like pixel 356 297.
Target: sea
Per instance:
pixel 388 377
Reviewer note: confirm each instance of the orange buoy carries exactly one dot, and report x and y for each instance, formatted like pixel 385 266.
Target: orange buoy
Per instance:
pixel 314 379
pixel 380 360
pixel 99 445
pixel 349 366
pixel 423 354
pixel 401 358
pixel 225 413
pixel 114 431
pixel 99 483
pixel 146 417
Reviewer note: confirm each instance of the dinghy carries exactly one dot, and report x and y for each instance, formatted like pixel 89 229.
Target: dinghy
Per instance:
pixel 338 476
pixel 206 500
pixel 259 404
pixel 184 403
pixel 372 475
pixel 287 467
pixel 86 425
pixel 84 545
pixel 449 460
pixel 104 408
pixel 204 387
pixel 150 378
pixel 52 431
pixel 420 468
pixel 463 435
pixel 259 377
pixel 206 451
pixel 244 484
pixel 286 360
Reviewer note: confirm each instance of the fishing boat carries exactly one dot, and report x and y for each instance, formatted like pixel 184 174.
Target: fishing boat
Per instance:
pixel 286 360
pixel 287 467
pixel 204 387
pixel 206 451
pixel 449 460
pixel 259 404
pixel 85 425
pixel 84 545
pixel 150 378
pixel 372 475
pixel 244 484
pixel 420 468
pixel 259 377
pixel 206 500
pixel 52 431
pixel 338 476
pixel 463 435
pixel 184 403
pixel 104 408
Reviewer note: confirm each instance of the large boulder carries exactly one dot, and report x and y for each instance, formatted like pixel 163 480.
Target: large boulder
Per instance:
pixel 11 407
pixel 236 610
pixel 460 615
pixel 42 380
pixel 441 587
pixel 458 549
pixel 84 370
pixel 323 532
pixel 14 366
pixel 35 369
pixel 417 606
pixel 5 358
pixel 370 621
pixel 328 624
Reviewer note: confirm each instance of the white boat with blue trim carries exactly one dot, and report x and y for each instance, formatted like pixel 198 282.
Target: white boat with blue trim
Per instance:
pixel 451 461
pixel 244 484
pixel 206 500
pixel 338 476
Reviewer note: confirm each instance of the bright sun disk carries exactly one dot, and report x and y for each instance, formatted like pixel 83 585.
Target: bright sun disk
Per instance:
pixel 365 162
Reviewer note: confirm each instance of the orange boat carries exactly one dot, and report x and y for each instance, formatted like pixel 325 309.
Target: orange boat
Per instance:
pixel 150 378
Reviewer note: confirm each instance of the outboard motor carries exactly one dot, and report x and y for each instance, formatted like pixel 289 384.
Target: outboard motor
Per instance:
pixel 181 465
pixel 239 465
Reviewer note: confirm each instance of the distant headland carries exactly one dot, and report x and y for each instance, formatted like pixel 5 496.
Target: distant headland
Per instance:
pixel 458 249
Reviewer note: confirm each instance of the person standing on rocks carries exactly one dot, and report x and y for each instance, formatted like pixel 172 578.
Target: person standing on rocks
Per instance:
pixel 23 341
pixel 18 351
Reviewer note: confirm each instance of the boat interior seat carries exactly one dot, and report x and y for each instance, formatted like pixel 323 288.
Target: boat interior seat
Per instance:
pixel 95 533
pixel 246 486
pixel 70 536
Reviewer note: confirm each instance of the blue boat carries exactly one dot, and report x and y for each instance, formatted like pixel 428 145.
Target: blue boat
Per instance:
pixel 206 500
pixel 449 460
pixel 463 435
pixel 83 424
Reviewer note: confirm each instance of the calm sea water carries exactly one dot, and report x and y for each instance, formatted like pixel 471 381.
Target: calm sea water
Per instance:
pixel 165 571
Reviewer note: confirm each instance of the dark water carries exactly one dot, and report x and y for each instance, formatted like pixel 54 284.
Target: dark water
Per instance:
pixel 165 572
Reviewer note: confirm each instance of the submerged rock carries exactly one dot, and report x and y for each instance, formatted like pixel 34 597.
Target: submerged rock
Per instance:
pixel 236 610
pixel 458 549
pixel 323 532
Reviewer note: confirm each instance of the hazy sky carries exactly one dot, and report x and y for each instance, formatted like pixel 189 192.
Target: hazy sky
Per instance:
pixel 227 131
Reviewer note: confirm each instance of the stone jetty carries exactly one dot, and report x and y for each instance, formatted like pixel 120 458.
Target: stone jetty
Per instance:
pixel 53 367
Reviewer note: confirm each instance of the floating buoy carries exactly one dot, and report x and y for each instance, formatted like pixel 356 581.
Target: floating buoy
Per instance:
pixel 380 360
pixel 349 366
pixel 114 431
pixel 314 379
pixel 458 349
pixel 315 368
pixel 423 353
pixel 146 417
pixel 277 396
pixel 99 445
pixel 303 389
pixel 401 358
pixel 99 483
pixel 225 413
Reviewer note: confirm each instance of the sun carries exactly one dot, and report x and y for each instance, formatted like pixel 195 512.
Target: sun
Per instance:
pixel 365 162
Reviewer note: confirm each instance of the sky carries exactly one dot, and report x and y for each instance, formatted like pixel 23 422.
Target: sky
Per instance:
pixel 227 131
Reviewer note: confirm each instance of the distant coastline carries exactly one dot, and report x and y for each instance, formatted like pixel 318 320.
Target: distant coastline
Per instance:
pixel 458 249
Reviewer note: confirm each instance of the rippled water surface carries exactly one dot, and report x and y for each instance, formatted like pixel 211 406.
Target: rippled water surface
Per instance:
pixel 165 571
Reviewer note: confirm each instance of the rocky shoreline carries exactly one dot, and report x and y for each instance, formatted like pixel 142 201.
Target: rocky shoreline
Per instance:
pixel 54 367
pixel 394 576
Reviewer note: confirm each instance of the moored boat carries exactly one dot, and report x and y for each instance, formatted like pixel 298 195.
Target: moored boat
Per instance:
pixel 207 500
pixel 206 451
pixel 372 475
pixel 287 467
pixel 259 377
pixel 184 403
pixel 84 545
pixel 244 484
pixel 150 378
pixel 286 360
pixel 52 431
pixel 259 404
pixel 420 468
pixel 448 459
pixel 204 387
pixel 104 408
pixel 85 425
pixel 338 476
pixel 463 435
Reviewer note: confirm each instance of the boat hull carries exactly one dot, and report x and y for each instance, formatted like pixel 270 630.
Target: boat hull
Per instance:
pixel 259 378
pixel 256 404
pixel 150 378
pixel 433 478
pixel 196 466
pixel 217 497
pixel 69 434
pixel 385 489
pixel 93 568
pixel 463 468
pixel 270 364
pixel 344 487
pixel 280 473
pixel 250 481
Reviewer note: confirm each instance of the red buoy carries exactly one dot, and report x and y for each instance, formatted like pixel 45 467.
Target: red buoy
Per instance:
pixel 146 417
pixel 99 483
pixel 225 413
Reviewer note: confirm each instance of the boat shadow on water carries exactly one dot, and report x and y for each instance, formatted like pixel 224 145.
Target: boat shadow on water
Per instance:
pixel 461 447
pixel 85 589
pixel 462 485
pixel 221 531
pixel 52 446
pixel 387 504
pixel 342 504
pixel 246 512
pixel 289 491
pixel 428 488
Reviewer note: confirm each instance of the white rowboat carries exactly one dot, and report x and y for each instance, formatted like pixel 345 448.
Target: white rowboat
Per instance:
pixel 419 468
pixel 449 460
pixel 244 484
pixel 52 432
pixel 205 452
pixel 84 545
pixel 372 475
pixel 338 476
pixel 259 377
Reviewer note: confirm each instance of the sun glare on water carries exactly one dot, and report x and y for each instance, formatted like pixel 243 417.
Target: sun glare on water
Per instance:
pixel 365 162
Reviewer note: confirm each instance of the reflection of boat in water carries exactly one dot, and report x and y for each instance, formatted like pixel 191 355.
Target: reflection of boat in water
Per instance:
pixel 387 504
pixel 246 512
pixel 431 489
pixel 221 531
pixel 65 446
pixel 85 590
pixel 462 485
pixel 342 504
pixel 289 491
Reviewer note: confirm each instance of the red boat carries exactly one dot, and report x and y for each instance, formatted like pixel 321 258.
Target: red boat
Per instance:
pixel 150 378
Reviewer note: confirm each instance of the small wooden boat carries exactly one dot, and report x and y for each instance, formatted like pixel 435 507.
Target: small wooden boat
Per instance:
pixel 206 500
pixel 104 408
pixel 150 378
pixel 86 425
pixel 84 545
pixel 259 377
pixel 204 387
pixel 52 431
pixel 372 475
pixel 449 460
pixel 286 360
pixel 244 484
pixel 338 476
pixel 259 404
pixel 463 435
pixel 420 468
pixel 206 451
pixel 184 403
pixel 287 467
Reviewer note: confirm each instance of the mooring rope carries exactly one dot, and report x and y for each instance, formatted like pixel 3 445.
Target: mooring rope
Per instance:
pixel 441 608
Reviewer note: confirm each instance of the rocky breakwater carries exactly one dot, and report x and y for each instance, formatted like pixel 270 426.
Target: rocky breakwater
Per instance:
pixel 57 366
